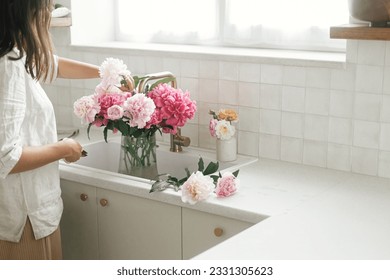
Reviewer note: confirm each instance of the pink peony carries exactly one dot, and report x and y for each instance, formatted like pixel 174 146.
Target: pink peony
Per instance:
pixel 175 107
pixel 86 108
pixel 115 112
pixel 227 185
pixel 107 100
pixel 212 125
pixel 139 109
pixel 198 187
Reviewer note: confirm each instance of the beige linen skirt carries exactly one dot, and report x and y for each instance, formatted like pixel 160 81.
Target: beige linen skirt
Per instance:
pixel 47 248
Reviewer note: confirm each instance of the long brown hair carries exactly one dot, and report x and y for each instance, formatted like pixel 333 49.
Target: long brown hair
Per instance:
pixel 24 24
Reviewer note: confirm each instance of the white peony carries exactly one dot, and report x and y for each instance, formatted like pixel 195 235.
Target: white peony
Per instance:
pixel 198 187
pixel 112 72
pixel 224 130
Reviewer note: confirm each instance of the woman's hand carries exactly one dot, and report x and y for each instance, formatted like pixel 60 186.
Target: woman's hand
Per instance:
pixel 75 151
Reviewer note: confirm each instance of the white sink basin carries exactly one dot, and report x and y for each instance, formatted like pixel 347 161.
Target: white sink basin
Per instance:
pixel 105 156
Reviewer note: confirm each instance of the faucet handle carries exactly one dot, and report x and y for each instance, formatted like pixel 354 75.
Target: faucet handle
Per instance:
pixel 183 141
pixel 178 141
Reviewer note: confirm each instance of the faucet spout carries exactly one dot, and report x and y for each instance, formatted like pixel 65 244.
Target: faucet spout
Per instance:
pixel 178 141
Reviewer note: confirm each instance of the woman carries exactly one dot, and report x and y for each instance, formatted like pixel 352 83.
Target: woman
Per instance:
pixel 30 196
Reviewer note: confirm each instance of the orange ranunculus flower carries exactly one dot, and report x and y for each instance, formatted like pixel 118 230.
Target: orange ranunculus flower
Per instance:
pixel 227 114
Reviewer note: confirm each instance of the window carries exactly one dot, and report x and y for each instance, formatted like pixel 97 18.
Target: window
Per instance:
pixel 286 24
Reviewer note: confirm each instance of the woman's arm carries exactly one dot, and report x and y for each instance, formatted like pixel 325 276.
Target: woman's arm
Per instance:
pixel 72 69
pixel 34 157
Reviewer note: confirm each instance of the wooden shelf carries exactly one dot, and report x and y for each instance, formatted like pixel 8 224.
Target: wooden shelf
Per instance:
pixel 61 22
pixel 359 32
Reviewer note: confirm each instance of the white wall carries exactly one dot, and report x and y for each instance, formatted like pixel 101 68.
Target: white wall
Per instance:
pixel 331 115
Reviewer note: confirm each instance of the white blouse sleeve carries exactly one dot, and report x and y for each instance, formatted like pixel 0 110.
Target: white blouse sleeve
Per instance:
pixel 12 112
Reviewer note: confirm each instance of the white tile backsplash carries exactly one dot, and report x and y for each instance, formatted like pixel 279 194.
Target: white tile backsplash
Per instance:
pixel 318 78
pixel 291 149
pixel 317 101
pixel 328 115
pixel 340 131
pixel 249 94
pixel 294 76
pixel 339 157
pixel 270 96
pixel 249 72
pixel 385 108
pixel 369 79
pixel 367 106
pixel 384 164
pixel 269 146
pixel 293 99
pixel 371 52
pixel 271 74
pixel 228 71
pixel 341 103
pixel 270 121
pixel 384 142
pixel 364 161
pixel 316 127
pixel 228 92
pixel 366 134
pixel 292 124
pixel 343 79
pixel 315 153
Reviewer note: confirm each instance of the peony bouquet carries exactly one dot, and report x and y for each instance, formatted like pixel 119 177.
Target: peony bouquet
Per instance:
pixel 120 104
pixel 117 104
pixel 220 125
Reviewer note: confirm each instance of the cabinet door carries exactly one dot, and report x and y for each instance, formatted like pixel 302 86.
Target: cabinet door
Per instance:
pixel 202 231
pixel 137 228
pixel 79 221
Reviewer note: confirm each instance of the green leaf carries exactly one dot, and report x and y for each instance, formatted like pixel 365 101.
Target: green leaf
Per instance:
pixel 200 164
pixel 235 173
pixel 215 178
pixel 211 168
pixel 188 172
pixel 182 181
pixel 105 133
pixel 123 128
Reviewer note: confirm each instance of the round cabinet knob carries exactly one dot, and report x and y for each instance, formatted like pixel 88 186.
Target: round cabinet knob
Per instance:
pixel 218 232
pixel 83 196
pixel 103 202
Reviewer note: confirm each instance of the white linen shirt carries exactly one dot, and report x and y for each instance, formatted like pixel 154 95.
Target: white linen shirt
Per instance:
pixel 26 119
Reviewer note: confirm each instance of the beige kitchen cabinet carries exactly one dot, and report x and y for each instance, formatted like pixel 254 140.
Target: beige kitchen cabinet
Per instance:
pixel 112 225
pixel 79 222
pixel 201 230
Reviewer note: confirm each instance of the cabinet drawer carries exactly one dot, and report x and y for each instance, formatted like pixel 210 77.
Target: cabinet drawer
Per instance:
pixel 201 231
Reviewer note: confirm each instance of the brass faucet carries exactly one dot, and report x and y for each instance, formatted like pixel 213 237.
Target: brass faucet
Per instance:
pixel 177 141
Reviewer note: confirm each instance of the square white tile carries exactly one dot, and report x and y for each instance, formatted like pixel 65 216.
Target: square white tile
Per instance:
pixel 270 121
pixel 271 96
pixel 292 124
pixel 269 146
pixel 293 99
pixel 317 101
pixel 291 149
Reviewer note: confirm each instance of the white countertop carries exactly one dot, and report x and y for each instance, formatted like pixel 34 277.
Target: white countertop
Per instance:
pixel 340 216
pixel 311 213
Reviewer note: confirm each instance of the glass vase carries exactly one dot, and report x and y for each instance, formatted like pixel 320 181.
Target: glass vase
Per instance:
pixel 138 156
pixel 227 149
